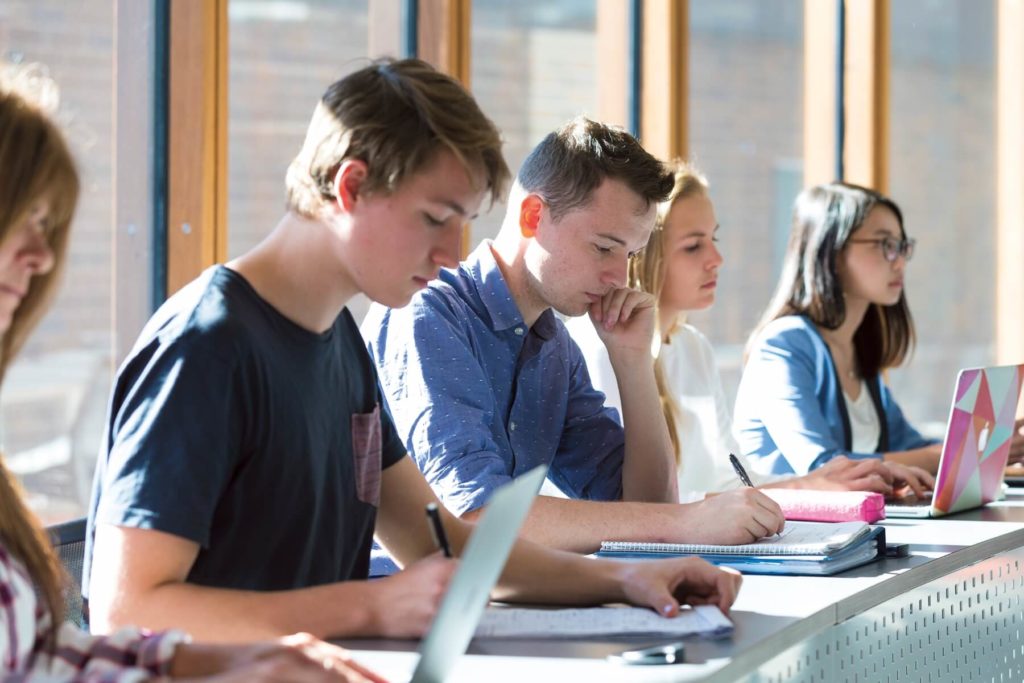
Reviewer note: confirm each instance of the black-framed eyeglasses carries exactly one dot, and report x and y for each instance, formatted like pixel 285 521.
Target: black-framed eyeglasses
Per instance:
pixel 892 248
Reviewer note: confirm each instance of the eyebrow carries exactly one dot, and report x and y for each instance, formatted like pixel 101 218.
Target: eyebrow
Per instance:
pixel 611 238
pixel 699 233
pixel 456 207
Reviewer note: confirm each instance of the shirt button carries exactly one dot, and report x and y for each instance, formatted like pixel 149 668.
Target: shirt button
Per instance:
pixel 519 331
pixel 511 426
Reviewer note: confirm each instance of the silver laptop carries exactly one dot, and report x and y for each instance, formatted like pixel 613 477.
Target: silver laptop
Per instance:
pixel 479 567
pixel 977 443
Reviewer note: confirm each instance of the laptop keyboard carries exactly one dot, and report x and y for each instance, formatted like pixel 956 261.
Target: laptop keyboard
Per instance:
pixel 910 502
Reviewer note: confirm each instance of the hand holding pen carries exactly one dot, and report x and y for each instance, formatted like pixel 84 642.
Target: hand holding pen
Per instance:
pixel 437 529
pixel 741 472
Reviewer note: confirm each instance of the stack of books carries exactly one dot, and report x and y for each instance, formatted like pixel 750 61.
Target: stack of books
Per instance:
pixel 804 548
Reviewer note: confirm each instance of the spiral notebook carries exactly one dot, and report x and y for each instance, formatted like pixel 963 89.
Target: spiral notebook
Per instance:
pixel 798 538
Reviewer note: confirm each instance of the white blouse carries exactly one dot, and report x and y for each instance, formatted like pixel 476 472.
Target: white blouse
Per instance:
pixel 704 420
pixel 864 426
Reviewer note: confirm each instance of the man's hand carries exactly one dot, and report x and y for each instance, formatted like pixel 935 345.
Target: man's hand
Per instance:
pixel 404 604
pixel 624 320
pixel 732 518
pixel 664 585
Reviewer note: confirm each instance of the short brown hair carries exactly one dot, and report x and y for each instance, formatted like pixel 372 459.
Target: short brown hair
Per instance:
pixel 395 116
pixel 568 165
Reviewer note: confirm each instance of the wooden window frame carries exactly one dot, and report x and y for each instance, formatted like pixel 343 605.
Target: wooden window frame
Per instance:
pixel 866 139
pixel 197 139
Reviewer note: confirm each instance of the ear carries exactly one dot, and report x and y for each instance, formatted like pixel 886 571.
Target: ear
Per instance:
pixel 529 215
pixel 349 181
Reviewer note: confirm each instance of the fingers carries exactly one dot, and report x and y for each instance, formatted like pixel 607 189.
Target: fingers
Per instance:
pixel 769 514
pixel 333 658
pixel 874 483
pixel 1017 446
pixel 920 481
pixel 409 600
pixel 619 305
pixel 705 584
pixel 758 515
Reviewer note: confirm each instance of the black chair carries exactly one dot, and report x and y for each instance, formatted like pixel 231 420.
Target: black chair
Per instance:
pixel 69 542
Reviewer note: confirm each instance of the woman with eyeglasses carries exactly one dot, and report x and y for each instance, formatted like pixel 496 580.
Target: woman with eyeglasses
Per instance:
pixel 812 387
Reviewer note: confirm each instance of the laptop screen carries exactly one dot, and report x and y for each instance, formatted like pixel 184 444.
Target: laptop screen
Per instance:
pixel 479 568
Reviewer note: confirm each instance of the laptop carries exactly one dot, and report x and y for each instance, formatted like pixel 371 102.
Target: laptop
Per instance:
pixel 977 443
pixel 479 567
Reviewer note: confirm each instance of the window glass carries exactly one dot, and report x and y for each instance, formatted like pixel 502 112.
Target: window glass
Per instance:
pixel 534 67
pixel 746 135
pixel 53 402
pixel 281 58
pixel 942 175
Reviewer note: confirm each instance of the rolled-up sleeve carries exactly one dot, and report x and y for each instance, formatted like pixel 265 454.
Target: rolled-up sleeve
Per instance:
pixel 440 400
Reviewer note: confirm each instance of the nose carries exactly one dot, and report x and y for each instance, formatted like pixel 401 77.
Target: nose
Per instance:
pixel 36 253
pixel 615 273
pixel 716 259
pixel 448 248
pixel 900 263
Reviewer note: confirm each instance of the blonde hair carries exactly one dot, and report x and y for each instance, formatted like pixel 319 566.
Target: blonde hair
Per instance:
pixel 395 116
pixel 37 166
pixel 647 273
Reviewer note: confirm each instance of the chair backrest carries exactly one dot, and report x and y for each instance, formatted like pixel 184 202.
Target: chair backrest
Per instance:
pixel 69 542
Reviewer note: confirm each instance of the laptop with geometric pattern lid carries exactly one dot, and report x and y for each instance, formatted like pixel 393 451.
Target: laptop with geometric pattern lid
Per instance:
pixel 977 444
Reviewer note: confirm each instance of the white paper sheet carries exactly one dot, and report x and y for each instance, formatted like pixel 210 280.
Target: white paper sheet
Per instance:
pixel 518 622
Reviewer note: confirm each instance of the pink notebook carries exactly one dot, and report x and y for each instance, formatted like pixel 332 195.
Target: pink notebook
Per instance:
pixel 829 506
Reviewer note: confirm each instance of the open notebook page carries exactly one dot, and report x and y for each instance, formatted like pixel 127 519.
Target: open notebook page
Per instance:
pixel 798 538
pixel 519 622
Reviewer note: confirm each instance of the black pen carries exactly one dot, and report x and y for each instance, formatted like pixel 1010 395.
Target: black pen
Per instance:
pixel 437 529
pixel 744 477
pixel 740 472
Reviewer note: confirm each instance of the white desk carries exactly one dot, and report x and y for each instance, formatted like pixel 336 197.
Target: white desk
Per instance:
pixel 953 610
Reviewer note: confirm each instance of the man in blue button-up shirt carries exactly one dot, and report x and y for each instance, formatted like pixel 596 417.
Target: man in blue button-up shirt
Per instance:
pixel 484 382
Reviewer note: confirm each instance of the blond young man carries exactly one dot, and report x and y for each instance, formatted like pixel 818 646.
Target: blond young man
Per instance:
pixel 248 461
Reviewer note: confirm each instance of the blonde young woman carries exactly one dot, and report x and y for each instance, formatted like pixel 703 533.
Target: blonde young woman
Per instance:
pixel 38 192
pixel 680 267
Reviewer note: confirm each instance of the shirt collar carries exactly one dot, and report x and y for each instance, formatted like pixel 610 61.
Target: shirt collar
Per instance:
pixel 492 289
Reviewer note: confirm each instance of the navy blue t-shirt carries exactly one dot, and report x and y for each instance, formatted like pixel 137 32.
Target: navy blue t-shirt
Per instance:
pixel 263 442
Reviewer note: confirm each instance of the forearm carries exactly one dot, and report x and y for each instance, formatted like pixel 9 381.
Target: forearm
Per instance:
pixel 927 458
pixel 648 468
pixel 579 526
pixel 225 615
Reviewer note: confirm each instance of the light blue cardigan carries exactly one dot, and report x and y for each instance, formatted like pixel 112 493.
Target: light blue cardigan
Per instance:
pixel 790 412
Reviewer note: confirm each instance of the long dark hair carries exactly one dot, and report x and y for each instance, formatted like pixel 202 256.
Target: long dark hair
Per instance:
pixel 824 219
pixel 36 166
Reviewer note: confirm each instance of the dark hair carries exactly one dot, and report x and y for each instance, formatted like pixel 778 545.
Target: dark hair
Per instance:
pixel 567 166
pixel 824 218
pixel 395 116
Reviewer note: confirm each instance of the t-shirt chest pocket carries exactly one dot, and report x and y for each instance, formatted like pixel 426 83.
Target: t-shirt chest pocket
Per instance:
pixel 366 455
